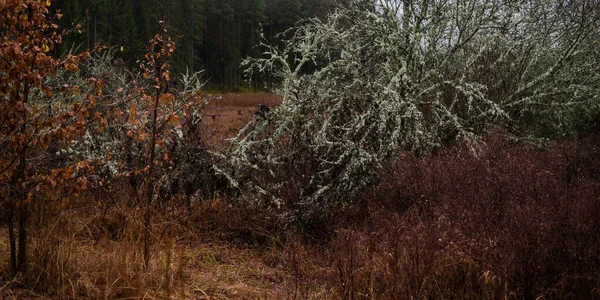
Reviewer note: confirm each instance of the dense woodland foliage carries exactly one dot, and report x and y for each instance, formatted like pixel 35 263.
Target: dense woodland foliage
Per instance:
pixel 213 36
pixel 453 139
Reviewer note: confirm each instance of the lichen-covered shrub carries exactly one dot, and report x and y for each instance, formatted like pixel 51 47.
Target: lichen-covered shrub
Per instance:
pixel 116 144
pixel 412 75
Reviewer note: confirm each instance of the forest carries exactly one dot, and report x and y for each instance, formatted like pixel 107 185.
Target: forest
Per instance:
pixel 290 149
pixel 212 36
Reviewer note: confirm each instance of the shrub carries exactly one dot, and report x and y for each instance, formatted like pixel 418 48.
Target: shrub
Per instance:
pixel 517 222
pixel 366 83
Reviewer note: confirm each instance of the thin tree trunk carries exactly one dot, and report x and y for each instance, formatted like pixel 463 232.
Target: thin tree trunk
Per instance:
pixel 254 84
pixel 17 199
pixel 271 27
pixel 95 29
pixel 237 75
pixel 150 182
pixel 10 222
pixel 22 254
pixel 222 59
pixel 17 187
pixel 12 239
pixel 270 83
pixel 192 38
pixel 406 13
pixel 206 64
pixel 252 22
pixel 87 19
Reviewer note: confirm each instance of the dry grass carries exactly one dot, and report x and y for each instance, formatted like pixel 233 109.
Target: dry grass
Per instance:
pixel 80 256
pixel 515 223
pixel 226 114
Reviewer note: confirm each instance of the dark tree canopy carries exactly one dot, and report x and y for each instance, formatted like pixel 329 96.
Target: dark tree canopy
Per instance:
pixel 212 35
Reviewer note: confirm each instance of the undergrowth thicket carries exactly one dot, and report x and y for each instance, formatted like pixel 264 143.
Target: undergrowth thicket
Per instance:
pixel 515 222
pixel 399 164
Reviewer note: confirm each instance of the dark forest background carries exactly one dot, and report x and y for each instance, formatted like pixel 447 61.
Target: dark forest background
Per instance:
pixel 212 35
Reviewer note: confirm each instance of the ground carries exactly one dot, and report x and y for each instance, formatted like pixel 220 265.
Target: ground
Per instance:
pixel 84 264
pixel 515 222
pixel 226 114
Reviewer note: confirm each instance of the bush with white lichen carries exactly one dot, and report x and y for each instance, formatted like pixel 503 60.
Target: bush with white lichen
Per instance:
pixel 371 80
pixel 115 144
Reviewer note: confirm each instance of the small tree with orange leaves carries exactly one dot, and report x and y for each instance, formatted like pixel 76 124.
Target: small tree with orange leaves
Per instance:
pixel 156 120
pixel 34 119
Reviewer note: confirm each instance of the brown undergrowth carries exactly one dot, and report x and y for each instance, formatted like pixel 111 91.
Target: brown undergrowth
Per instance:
pixel 226 114
pixel 212 250
pixel 513 222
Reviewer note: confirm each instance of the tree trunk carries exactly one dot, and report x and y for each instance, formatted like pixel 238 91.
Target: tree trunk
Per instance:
pixel 406 14
pixel 271 29
pixel 150 182
pixel 17 198
pixel 12 239
pixel 253 19
pixel 206 65
pixel 16 201
pixel 222 59
pixel 87 21
pixel 22 254
pixel 239 41
pixel 95 29
pixel 192 38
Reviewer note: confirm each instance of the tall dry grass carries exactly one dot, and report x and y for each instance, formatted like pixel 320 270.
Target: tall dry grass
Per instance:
pixel 97 255
pixel 209 251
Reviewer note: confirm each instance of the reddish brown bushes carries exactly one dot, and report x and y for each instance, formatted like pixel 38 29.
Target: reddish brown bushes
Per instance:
pixel 513 222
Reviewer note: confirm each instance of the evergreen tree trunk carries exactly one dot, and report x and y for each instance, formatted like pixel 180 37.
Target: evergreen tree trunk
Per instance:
pixel 206 63
pixel 271 29
pixel 222 59
pixel 239 41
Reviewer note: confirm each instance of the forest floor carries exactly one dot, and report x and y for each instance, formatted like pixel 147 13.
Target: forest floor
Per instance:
pixel 70 267
pixel 77 257
pixel 516 222
pixel 226 114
